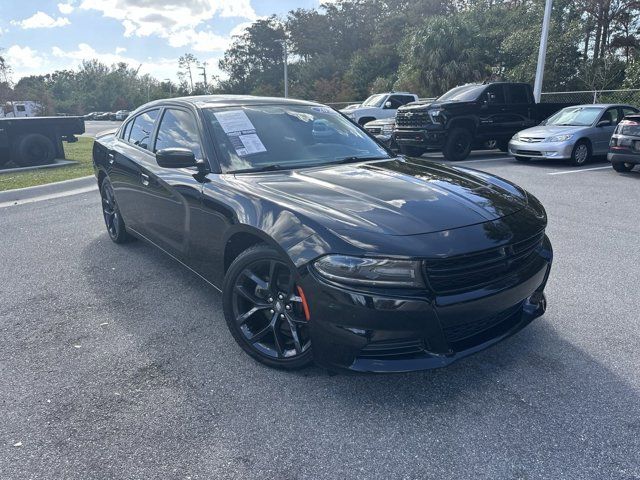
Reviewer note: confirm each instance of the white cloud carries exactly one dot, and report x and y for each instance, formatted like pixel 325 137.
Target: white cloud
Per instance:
pixel 41 20
pixel 23 58
pixel 176 21
pixel 120 50
pixel 66 8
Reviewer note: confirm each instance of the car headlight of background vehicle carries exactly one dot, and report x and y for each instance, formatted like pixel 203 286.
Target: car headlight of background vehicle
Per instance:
pixel 387 128
pixel 560 138
pixel 382 272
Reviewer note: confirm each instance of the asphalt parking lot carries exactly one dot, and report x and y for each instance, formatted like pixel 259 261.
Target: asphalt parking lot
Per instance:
pixel 116 363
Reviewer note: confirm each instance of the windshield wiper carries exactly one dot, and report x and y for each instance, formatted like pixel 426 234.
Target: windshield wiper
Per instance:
pixel 266 168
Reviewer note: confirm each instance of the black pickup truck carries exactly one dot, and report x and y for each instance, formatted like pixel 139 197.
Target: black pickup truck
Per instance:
pixel 469 116
pixel 33 141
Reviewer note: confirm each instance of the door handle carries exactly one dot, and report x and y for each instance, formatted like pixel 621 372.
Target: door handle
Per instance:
pixel 145 179
pixel 111 157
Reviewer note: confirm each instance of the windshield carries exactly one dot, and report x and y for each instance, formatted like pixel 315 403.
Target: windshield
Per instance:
pixel 575 116
pixel 374 100
pixel 263 137
pixel 465 93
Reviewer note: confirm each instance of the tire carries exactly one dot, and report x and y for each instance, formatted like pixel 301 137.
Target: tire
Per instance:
pixel 622 167
pixel 266 317
pixel 503 145
pixel 412 151
pixel 4 156
pixel 581 153
pixel 458 144
pixel 33 149
pixel 113 220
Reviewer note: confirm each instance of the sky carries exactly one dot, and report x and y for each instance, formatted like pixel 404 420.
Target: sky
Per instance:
pixel 40 36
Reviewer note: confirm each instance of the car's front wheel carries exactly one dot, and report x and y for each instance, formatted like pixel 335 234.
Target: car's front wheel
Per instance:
pixel 265 309
pixel 581 153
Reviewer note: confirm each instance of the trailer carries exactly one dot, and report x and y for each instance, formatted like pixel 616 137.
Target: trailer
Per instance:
pixel 34 141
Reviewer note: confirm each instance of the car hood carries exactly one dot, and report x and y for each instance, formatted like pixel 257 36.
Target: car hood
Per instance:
pixel 394 197
pixel 381 122
pixel 544 131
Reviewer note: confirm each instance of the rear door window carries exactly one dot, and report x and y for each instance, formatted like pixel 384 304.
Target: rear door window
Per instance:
pixel 142 129
pixel 518 94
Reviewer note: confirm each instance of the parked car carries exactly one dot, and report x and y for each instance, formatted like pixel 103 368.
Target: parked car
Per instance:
pixel 325 246
pixel 624 148
pixel 91 115
pixel 121 115
pixel 102 116
pixel 574 133
pixel 469 116
pixel 383 130
pixel 380 105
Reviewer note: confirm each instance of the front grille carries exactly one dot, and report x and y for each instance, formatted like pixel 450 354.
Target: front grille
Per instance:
pixel 393 348
pixel 532 139
pixel 472 271
pixel 374 130
pixel 531 153
pixel 412 119
pixel 464 331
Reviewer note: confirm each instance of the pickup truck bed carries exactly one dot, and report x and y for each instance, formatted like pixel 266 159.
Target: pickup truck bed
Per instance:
pixel 36 140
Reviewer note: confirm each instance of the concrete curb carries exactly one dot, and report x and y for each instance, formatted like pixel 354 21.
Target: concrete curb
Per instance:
pixel 24 195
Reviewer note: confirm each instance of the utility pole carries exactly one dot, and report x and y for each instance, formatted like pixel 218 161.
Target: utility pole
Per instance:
pixel 168 80
pixel 285 54
pixel 203 67
pixel 542 53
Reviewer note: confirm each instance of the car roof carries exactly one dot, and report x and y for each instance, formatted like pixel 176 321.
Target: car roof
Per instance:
pixel 603 105
pixel 204 101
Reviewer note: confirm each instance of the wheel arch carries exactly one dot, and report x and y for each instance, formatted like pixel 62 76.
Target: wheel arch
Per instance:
pixel 464 122
pixel 241 239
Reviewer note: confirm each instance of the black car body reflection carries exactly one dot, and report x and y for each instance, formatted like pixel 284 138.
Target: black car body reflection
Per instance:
pixel 389 264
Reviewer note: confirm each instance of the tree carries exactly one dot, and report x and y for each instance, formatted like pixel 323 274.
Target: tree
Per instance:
pixel 186 64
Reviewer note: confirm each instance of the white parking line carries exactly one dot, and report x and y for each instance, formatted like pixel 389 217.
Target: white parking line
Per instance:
pixel 77 191
pixel 579 171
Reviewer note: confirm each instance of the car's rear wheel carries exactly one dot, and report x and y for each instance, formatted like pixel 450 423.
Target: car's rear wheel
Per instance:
pixel 412 151
pixel 622 166
pixel 458 144
pixel 113 220
pixel 265 311
pixel 581 153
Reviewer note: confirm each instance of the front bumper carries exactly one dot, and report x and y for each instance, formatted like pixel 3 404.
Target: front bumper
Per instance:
pixel 542 150
pixel 400 331
pixel 430 137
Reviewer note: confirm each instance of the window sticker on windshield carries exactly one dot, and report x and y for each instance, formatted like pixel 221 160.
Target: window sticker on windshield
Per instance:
pixel 251 144
pixel 234 121
pixel 241 132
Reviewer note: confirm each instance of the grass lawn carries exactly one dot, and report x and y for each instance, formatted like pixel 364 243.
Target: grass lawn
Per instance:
pixel 79 152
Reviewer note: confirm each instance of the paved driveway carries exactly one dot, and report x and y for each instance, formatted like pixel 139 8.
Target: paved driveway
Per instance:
pixel 115 362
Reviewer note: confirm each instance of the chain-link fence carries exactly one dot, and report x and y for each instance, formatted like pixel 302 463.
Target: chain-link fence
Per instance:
pixel 631 97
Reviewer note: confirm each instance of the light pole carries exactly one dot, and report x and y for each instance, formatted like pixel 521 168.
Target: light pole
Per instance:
pixel 203 67
pixel 542 53
pixel 170 86
pixel 285 54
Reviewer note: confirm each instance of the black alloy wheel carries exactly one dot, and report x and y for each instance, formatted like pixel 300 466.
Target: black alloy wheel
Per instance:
pixel 265 311
pixel 458 144
pixel 112 218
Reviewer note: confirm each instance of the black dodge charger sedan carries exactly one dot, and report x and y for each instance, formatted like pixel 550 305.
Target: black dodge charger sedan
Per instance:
pixel 325 245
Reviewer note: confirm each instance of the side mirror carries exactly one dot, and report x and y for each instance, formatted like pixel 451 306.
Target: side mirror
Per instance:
pixel 604 123
pixel 388 105
pixel 176 158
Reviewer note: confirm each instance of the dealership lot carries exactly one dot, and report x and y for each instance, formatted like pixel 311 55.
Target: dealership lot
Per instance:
pixel 116 362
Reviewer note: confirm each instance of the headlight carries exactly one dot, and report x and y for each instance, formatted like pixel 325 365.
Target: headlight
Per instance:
pixel 435 113
pixel 560 138
pixel 370 271
pixel 387 129
pixel 516 137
